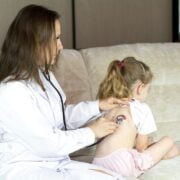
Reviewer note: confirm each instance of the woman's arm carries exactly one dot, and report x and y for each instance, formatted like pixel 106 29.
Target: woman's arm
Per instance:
pixel 78 115
pixel 33 125
pixel 34 128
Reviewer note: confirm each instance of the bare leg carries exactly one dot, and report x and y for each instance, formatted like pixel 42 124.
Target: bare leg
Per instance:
pixel 175 151
pixel 163 149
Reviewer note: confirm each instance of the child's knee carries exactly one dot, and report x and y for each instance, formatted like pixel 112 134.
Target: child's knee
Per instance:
pixel 168 140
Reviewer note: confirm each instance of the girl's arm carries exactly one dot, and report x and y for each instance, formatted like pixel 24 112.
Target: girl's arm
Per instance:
pixel 142 142
pixel 146 127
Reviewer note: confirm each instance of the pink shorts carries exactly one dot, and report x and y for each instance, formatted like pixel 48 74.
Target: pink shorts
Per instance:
pixel 127 162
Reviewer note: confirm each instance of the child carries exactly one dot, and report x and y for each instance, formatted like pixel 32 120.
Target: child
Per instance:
pixel 131 78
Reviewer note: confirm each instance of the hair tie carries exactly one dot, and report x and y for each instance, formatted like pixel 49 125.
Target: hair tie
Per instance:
pixel 120 64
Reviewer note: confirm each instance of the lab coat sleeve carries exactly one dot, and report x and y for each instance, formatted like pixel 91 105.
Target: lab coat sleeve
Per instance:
pixel 19 113
pixel 78 115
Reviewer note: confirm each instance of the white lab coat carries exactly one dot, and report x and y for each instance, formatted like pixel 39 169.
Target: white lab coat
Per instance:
pixel 31 136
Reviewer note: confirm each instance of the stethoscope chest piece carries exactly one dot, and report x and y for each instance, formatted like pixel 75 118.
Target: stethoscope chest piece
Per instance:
pixel 119 119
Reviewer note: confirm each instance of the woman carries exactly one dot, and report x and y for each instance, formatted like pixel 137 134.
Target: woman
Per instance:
pixel 37 132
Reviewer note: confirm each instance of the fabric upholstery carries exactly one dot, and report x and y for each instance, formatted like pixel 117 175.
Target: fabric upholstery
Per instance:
pixel 71 73
pixel 81 71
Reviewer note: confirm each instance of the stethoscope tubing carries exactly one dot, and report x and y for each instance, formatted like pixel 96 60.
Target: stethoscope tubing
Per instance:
pixel 47 77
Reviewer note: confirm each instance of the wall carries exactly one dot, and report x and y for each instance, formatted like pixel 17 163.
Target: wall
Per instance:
pixel 108 22
pixel 102 22
pixel 9 9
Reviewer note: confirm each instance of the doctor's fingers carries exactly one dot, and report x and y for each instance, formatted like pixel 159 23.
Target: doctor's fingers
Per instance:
pixel 104 119
pixel 112 102
pixel 103 128
pixel 111 128
pixel 109 125
pixel 106 122
pixel 104 131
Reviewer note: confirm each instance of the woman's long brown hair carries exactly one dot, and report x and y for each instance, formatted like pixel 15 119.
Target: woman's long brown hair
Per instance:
pixel 121 76
pixel 27 43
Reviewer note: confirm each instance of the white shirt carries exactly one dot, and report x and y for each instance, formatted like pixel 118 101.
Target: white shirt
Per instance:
pixel 31 122
pixel 142 117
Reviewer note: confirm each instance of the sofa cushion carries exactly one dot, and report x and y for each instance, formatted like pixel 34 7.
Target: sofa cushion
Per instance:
pixel 171 129
pixel 164 60
pixel 72 75
pixel 80 73
pixel 165 170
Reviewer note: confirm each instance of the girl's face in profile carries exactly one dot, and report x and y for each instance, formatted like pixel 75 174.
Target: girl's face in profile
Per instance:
pixel 144 92
pixel 140 91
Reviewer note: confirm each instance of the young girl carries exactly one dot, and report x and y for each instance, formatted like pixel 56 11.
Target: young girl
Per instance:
pixel 131 78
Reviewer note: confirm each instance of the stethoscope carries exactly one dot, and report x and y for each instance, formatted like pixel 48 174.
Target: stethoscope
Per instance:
pixel 47 77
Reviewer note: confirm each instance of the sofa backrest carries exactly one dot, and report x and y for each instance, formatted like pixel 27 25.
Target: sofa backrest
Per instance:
pixel 72 75
pixel 80 73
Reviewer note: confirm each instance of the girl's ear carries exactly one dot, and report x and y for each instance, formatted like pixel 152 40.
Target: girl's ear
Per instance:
pixel 138 87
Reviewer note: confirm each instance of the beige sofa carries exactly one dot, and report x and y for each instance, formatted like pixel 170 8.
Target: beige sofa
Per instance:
pixel 80 72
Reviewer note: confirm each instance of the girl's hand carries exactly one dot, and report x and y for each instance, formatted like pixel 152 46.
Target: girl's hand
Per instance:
pixel 103 127
pixel 110 103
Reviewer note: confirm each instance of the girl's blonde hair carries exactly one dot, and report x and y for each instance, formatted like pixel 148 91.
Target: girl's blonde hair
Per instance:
pixel 121 76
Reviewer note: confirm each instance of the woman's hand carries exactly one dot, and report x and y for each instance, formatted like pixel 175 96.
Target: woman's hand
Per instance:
pixel 103 127
pixel 110 103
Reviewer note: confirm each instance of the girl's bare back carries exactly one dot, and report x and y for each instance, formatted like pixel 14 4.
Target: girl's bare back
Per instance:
pixel 123 137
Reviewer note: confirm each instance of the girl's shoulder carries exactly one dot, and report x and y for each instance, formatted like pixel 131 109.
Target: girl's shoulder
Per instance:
pixel 138 111
pixel 139 106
